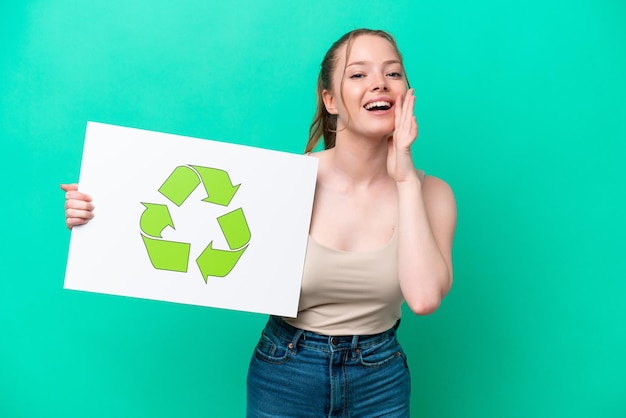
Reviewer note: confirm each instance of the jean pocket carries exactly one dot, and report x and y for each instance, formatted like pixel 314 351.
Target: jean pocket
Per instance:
pixel 272 350
pixel 381 354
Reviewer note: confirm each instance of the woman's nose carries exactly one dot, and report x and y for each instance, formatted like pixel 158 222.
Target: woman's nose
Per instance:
pixel 380 84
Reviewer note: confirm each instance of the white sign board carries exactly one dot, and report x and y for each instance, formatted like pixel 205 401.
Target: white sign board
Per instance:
pixel 192 221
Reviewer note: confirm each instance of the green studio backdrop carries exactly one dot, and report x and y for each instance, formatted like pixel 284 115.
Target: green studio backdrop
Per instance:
pixel 521 108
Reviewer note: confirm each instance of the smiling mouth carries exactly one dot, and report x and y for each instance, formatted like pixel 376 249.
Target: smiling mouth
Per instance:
pixel 379 105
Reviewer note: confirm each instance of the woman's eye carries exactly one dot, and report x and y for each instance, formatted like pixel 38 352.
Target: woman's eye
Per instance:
pixel 357 75
pixel 394 74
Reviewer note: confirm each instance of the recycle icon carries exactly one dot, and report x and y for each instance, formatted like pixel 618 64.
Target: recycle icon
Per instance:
pixel 173 255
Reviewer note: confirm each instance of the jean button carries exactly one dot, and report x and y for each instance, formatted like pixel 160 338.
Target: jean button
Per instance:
pixel 334 340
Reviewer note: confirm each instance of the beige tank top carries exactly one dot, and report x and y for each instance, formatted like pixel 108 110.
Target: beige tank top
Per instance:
pixel 349 293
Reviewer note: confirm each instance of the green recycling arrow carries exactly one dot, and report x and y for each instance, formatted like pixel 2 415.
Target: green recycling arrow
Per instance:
pixel 180 184
pixel 235 228
pixel 167 255
pixel 219 188
pixel 217 263
pixel 155 219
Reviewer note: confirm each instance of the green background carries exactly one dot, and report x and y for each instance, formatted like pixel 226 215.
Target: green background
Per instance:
pixel 521 107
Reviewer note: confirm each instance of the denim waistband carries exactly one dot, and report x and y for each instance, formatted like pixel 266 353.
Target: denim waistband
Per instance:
pixel 296 335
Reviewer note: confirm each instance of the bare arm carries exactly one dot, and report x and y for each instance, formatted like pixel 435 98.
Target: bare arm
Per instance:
pixel 426 219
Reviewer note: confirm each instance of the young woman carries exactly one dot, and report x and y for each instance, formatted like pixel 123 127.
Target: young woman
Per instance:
pixel 381 234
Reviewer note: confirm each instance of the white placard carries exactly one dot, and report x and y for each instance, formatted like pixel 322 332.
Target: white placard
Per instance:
pixel 240 219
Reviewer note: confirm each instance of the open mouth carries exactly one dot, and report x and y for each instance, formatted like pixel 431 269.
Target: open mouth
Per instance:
pixel 378 105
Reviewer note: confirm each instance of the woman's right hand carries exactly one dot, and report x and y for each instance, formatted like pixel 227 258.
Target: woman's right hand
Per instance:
pixel 78 206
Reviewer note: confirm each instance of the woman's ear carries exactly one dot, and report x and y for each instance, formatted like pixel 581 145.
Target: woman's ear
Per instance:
pixel 329 102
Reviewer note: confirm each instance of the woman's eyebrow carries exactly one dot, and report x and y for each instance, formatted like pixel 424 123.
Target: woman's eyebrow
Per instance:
pixel 369 62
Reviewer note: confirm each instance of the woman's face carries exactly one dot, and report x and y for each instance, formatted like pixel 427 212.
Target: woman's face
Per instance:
pixel 372 81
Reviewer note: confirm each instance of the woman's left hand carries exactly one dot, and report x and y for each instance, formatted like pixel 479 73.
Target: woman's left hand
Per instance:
pixel 399 160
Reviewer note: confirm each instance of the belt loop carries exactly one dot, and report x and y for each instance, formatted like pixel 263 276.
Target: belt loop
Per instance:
pixel 294 340
pixel 355 342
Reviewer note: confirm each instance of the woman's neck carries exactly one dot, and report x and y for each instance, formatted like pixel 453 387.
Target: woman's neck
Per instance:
pixel 359 161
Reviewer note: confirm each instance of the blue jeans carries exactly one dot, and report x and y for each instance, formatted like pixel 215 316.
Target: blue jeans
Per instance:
pixel 300 374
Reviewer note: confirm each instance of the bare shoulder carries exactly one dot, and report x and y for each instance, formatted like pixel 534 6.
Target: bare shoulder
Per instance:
pixel 323 157
pixel 432 184
pixel 438 196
